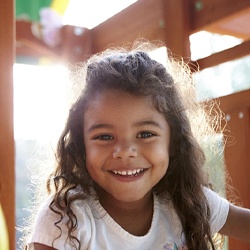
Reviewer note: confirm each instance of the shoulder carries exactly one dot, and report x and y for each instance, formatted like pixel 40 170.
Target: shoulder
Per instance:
pixel 219 208
pixel 50 227
pixel 81 208
pixel 215 201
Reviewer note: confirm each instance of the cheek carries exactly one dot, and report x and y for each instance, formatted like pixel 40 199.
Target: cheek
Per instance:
pixel 90 149
pixel 163 146
pixel 91 157
pixel 92 165
pixel 158 155
pixel 162 155
pixel 95 157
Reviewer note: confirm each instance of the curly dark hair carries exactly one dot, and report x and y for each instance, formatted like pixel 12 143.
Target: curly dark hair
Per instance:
pixel 136 73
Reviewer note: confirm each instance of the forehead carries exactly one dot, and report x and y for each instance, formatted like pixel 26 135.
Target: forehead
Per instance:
pixel 115 98
pixel 118 105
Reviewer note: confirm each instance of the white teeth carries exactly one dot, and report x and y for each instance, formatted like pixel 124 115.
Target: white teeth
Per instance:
pixel 134 171
pixel 129 172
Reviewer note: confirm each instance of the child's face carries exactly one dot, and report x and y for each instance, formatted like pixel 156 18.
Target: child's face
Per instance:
pixel 127 144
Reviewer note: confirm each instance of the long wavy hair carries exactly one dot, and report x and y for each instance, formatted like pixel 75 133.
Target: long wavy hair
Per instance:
pixel 170 89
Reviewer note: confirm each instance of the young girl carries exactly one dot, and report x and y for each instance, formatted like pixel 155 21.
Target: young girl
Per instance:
pixel 130 171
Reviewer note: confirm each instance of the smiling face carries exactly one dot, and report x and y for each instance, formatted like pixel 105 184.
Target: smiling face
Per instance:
pixel 127 144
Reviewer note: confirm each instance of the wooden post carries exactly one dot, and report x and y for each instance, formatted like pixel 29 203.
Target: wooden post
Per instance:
pixel 177 25
pixel 7 169
pixel 77 44
pixel 237 108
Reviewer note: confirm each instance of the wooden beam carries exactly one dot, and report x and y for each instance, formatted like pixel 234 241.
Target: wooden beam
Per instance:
pixel 77 44
pixel 177 26
pixel 237 109
pixel 233 25
pixel 28 45
pixel 207 12
pixel 167 21
pixel 235 101
pixel 233 53
pixel 7 166
pixel 143 19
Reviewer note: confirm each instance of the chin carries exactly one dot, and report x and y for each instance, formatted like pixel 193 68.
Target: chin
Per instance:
pixel 131 197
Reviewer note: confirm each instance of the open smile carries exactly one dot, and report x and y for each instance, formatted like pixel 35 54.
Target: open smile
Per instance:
pixel 134 172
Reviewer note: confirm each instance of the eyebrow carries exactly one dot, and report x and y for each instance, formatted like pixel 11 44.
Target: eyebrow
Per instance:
pixel 136 124
pixel 147 122
pixel 98 126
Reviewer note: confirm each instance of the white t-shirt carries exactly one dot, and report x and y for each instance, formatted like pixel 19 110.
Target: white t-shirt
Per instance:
pixel 97 230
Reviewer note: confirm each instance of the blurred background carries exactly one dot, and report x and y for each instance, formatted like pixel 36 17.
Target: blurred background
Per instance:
pixel 46 38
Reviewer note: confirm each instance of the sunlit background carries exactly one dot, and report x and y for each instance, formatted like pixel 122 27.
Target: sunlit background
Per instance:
pixel 41 91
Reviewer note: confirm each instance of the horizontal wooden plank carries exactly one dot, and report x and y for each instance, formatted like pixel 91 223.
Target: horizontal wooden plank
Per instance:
pixel 235 101
pixel 144 18
pixel 233 53
pixel 207 12
pixel 76 44
pixel 233 25
pixel 28 45
pixel 33 49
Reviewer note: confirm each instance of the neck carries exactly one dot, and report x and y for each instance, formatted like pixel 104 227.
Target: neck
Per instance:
pixel 110 203
pixel 134 217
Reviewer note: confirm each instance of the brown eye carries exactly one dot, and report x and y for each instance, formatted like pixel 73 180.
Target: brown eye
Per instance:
pixel 145 134
pixel 104 137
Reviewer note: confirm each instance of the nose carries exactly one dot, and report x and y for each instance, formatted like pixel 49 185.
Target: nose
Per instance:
pixel 124 150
